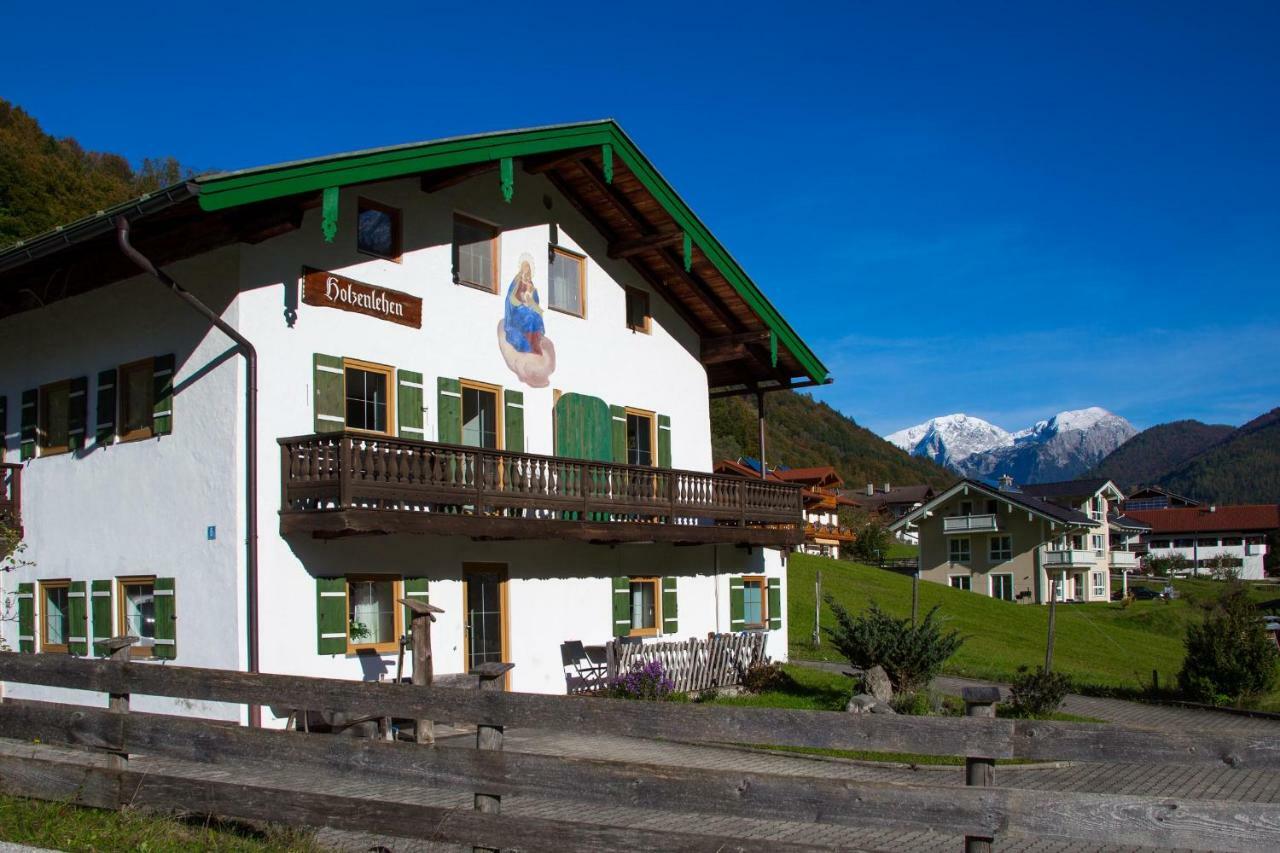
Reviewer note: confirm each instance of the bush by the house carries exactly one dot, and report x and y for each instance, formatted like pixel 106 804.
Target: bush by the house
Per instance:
pixel 645 680
pixel 763 677
pixel 1036 693
pixel 910 654
pixel 1229 656
pixel 1164 567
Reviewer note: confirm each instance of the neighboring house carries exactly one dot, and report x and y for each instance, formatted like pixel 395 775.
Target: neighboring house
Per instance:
pixel 1203 533
pixel 820 490
pixel 483 377
pixel 1154 497
pixel 893 502
pixel 1010 543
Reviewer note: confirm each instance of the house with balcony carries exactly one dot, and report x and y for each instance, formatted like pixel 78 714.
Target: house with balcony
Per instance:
pixel 892 502
pixel 248 415
pixel 1202 535
pixel 822 496
pixel 1018 543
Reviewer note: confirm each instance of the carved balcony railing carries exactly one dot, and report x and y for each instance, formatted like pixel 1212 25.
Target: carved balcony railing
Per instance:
pixel 11 496
pixel 342 483
pixel 829 531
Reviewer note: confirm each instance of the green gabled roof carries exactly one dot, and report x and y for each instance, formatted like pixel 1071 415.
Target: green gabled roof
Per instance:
pixel 247 186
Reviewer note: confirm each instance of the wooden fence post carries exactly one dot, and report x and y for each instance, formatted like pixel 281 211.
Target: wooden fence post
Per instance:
pixel 979 772
pixel 492 677
pixel 423 666
pixel 118 650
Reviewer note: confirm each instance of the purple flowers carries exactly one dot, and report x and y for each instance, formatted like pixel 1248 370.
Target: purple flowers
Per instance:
pixel 645 680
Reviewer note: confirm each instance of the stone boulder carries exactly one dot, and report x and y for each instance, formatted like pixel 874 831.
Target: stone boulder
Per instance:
pixel 876 682
pixel 861 703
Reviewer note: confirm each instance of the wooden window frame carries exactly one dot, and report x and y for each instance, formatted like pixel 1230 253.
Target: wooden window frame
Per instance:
pixel 122 400
pixel 42 421
pixel 645 328
pixel 43 615
pixel 763 624
pixel 371 367
pixel 653 434
pixel 397 611
pixel 582 280
pixel 137 650
pixel 397 229
pixel 656 583
pixel 499 407
pixel 950 550
pixel 495 250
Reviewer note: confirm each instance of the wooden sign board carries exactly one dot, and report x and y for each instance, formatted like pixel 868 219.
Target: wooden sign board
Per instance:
pixel 329 290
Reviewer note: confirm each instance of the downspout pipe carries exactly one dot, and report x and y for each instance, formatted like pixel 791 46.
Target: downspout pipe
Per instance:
pixel 251 437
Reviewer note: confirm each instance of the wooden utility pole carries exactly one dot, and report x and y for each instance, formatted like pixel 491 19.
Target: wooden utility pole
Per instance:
pixel 423 667
pixel 764 468
pixel 1053 613
pixel 915 596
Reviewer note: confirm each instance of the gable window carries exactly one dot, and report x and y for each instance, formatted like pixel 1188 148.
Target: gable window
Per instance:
pixel 568 282
pixel 644 600
pixel 136 389
pixel 991 507
pixel 378 230
pixel 367 393
pixel 966 507
pixel 754 611
pixel 55 624
pixel 637 310
pixel 137 614
pixel 55 418
pixel 959 550
pixel 1001 548
pixel 960 582
pixel 1002 587
pixel 639 438
pixel 373 619
pixel 475 253
pixel 480 416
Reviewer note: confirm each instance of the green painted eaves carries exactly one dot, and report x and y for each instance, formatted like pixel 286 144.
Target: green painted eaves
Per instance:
pixel 233 189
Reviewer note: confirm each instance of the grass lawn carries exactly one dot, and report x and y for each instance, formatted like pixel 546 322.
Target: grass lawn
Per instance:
pixel 901 550
pixel 1103 644
pixel 72 828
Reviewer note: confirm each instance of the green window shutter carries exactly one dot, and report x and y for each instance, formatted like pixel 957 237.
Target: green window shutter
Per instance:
pixel 775 603
pixel 449 410
pixel 27 419
pixel 582 428
pixel 166 619
pixel 618 419
pixel 78 619
pixel 331 616
pixel 105 426
pixel 329 379
pixel 409 405
pixel 100 616
pixel 670 612
pixel 26 617
pixel 737 605
pixel 664 441
pixel 513 437
pixel 77 412
pixel 162 390
pixel 415 589
pixel 621 607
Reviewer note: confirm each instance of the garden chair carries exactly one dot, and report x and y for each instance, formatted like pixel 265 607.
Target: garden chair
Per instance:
pixel 589 674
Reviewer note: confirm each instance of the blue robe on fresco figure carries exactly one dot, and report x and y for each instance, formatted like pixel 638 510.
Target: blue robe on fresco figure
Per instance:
pixel 523 319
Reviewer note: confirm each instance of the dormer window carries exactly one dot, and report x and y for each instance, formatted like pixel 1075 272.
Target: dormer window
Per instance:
pixel 378 230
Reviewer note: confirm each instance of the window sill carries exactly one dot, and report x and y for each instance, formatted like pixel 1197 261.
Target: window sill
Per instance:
pixel 140 435
pixel 476 286
pixel 395 259
pixel 568 312
pixel 379 649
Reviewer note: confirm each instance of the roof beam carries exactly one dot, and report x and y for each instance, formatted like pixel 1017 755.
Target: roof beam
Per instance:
pixel 764 389
pixel 626 248
pixel 620 203
pixel 537 165
pixel 700 289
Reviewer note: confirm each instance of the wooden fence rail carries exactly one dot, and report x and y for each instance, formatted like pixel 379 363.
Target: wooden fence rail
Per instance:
pixel 981 813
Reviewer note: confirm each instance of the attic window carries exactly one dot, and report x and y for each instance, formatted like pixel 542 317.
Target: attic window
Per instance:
pixel 637 310
pixel 378 230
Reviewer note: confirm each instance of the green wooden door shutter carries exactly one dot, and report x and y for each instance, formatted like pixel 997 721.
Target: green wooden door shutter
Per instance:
pixel 162 388
pixel 618 422
pixel 27 421
pixel 664 441
pixel 448 410
pixel 775 603
pixel 78 619
pixel 582 428
pixel 415 589
pixel 513 424
pixel 621 607
pixel 105 420
pixel 670 612
pixel 331 616
pixel 26 617
pixel 737 605
pixel 100 616
pixel 329 381
pixel 77 412
pixel 166 619
pixel 409 405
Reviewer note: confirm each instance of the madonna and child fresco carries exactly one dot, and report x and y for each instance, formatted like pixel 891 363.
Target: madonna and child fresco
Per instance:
pixel 522 336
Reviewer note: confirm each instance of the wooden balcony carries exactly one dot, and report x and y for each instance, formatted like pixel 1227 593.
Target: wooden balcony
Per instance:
pixel 342 484
pixel 829 531
pixel 11 496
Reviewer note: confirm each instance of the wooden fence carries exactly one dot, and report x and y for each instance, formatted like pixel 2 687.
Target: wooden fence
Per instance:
pixel 721 660
pixel 981 812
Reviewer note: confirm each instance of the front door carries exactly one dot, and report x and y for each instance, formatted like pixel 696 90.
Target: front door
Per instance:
pixel 485 602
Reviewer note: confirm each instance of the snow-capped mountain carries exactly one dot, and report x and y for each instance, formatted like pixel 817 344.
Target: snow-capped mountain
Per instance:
pixel 1059 448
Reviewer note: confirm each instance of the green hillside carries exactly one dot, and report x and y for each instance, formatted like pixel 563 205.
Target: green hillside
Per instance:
pixel 1245 468
pixel 1153 453
pixel 801 431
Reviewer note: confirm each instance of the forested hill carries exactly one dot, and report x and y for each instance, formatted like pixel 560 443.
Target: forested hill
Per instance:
pixel 801 432
pixel 1155 452
pixel 46 182
pixel 1244 468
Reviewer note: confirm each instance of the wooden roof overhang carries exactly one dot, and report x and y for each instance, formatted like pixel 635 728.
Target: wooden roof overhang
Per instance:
pixel 747 346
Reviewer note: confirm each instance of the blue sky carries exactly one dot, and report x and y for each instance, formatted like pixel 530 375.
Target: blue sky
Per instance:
pixel 1003 209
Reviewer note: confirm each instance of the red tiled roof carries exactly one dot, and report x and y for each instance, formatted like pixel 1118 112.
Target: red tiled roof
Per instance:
pixel 1201 520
